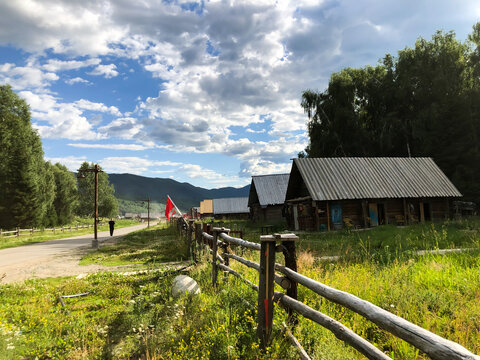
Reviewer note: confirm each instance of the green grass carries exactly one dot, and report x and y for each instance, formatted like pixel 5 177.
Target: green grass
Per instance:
pixel 49 235
pixel 375 241
pixel 149 247
pixel 134 317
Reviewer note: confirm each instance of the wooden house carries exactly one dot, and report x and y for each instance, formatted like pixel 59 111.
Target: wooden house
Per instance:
pixel 267 197
pixel 231 208
pixel 333 193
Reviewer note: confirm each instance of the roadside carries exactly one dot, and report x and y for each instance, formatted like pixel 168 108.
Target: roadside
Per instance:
pixel 57 257
pixel 48 235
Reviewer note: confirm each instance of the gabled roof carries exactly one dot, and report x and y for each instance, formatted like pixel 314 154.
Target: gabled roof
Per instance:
pixel 270 189
pixel 230 206
pixel 370 178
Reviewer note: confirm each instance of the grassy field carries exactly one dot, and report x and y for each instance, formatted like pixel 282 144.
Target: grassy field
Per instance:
pixel 134 317
pixel 148 247
pixel 8 242
pixel 380 241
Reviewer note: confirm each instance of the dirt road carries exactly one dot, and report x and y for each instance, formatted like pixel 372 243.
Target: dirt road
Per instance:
pixel 55 257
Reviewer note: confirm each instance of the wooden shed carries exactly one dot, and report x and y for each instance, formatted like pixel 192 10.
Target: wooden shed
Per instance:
pixel 267 197
pixel 231 208
pixel 333 193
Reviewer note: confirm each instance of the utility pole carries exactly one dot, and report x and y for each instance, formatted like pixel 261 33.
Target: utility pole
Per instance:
pixel 96 169
pixel 148 209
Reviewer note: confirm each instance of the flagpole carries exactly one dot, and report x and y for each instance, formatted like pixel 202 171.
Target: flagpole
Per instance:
pixel 175 205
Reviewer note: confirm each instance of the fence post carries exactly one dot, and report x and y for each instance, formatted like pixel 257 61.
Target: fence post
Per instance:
pixel 216 231
pixel 289 252
pixel 265 289
pixel 214 258
pixel 18 231
pixel 198 238
pixel 191 244
pixel 31 230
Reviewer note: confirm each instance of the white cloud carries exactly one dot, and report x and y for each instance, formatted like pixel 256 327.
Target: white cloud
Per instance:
pixel 64 120
pixel 72 163
pixel 93 106
pixel 131 147
pixel 76 80
pixel 81 28
pixel 125 128
pixel 55 65
pixel 24 77
pixel 105 70
pixel 133 165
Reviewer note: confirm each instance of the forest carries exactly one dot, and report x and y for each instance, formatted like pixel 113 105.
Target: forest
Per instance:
pixel 34 192
pixel 424 102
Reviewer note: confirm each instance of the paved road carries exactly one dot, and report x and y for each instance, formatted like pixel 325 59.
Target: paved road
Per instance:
pixel 24 259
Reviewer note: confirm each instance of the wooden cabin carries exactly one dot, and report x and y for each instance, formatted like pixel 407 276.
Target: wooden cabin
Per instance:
pixel 334 193
pixel 231 208
pixel 267 197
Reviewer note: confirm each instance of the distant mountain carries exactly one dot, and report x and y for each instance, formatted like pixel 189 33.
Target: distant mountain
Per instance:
pixel 185 195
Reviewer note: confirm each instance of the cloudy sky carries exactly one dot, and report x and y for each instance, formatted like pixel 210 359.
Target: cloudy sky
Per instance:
pixel 204 92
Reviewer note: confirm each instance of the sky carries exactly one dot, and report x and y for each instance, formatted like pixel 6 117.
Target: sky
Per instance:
pixel 202 92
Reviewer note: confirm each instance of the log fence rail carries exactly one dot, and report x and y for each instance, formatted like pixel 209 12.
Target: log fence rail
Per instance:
pixel 29 232
pixel 204 239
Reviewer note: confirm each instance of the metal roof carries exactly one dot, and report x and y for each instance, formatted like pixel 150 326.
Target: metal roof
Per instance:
pixel 370 178
pixel 230 205
pixel 271 189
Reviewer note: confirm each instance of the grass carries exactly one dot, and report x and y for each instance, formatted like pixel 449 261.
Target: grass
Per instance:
pixel 149 247
pixel 46 236
pixel 134 317
pixel 375 241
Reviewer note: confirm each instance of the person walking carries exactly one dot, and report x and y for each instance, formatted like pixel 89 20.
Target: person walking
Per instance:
pixel 111 223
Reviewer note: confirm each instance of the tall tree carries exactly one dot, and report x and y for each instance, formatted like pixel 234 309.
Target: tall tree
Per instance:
pixel 66 195
pixel 424 102
pixel 107 203
pixel 21 164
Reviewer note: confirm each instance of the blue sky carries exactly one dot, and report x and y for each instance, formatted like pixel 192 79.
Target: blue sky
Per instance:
pixel 202 92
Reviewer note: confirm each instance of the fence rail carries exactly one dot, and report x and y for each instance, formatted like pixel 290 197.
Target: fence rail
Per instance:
pixel 29 232
pixel 211 238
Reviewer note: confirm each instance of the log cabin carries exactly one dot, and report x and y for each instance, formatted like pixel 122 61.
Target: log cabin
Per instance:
pixel 351 192
pixel 267 197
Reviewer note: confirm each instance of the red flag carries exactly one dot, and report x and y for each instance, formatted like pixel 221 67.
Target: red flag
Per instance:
pixel 168 208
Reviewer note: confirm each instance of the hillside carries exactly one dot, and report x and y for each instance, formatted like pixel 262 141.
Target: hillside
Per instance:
pixel 185 195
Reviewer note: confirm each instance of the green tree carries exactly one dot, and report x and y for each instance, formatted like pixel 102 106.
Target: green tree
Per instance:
pixel 48 194
pixel 424 102
pixel 107 203
pixel 21 164
pixel 66 195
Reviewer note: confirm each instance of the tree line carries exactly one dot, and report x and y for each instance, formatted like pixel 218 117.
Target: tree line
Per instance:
pixel 34 192
pixel 423 102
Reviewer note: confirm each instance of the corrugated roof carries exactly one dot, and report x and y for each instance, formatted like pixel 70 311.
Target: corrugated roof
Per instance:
pixel 370 178
pixel 271 189
pixel 206 207
pixel 230 206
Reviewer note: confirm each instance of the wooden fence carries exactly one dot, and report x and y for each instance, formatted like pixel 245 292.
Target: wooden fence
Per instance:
pixel 202 237
pixel 29 232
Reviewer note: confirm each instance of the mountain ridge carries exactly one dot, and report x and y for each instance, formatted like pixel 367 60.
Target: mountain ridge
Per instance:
pixel 185 195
